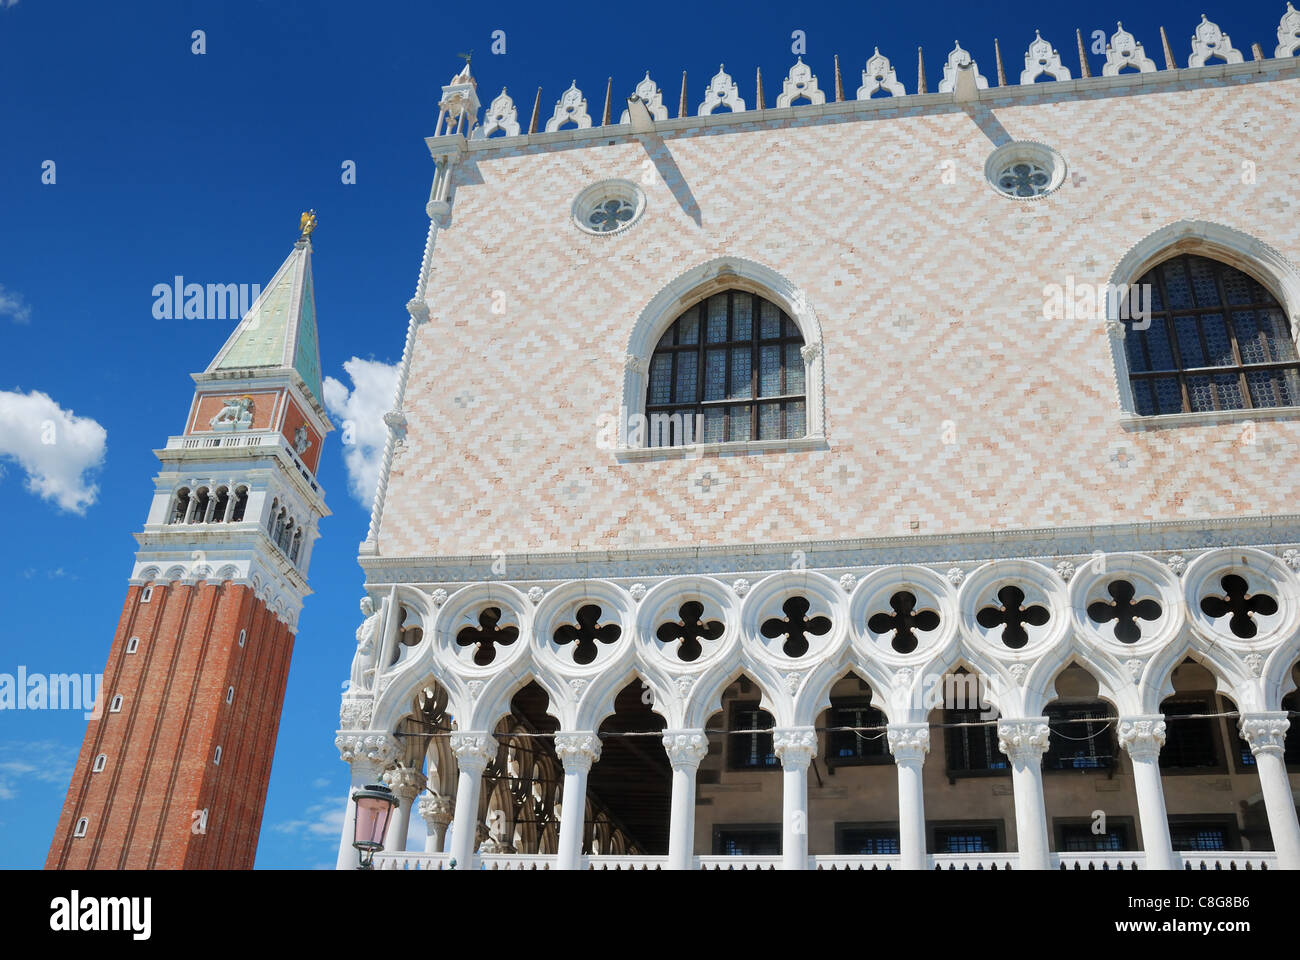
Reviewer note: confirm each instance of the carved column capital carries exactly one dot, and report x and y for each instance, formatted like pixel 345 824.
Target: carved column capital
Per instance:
pixel 1024 740
pixel 1142 736
pixel 436 810
pixel 367 753
pixel 355 712
pixel 577 750
pixel 474 751
pixel 796 746
pixel 1265 732
pixel 908 741
pixel 686 748
pixel 405 782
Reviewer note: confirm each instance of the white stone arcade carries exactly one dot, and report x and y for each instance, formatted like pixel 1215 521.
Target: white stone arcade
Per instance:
pixel 413 663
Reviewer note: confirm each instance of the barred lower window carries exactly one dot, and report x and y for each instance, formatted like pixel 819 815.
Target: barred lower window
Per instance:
pixel 1190 734
pixel 972 742
pixel 1081 737
pixel 867 841
pixel 1217 340
pixel 728 369
pixel 850 738
pixel 966 840
pixel 752 750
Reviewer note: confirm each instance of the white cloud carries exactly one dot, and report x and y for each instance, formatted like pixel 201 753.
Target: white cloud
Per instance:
pixel 54 447
pixel 12 305
pixel 361 415
pixel 321 819
pixel 28 762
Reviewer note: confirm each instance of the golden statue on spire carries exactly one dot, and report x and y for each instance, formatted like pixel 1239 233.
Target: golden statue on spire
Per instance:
pixel 306 224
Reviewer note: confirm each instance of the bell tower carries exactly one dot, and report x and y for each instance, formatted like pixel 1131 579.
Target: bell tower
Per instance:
pixel 175 764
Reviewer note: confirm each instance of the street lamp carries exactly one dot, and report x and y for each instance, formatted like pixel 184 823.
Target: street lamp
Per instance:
pixel 374 803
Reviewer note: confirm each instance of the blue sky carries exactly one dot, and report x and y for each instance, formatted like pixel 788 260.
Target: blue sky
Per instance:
pixel 170 163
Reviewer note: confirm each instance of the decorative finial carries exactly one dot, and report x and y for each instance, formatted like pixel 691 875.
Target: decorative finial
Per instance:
pixel 466 57
pixel 306 224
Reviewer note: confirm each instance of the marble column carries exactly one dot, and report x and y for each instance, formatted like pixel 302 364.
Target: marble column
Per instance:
pixel 1143 737
pixel 1266 734
pixel 1024 741
pixel 686 748
pixel 406 785
pixel 796 746
pixel 577 750
pixel 368 754
pixel 474 751
pixel 909 743
pixel 437 813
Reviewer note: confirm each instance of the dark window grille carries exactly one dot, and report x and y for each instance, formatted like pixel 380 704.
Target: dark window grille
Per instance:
pixel 1079 838
pixel 965 840
pixel 856 746
pixel 748 843
pixel 1217 340
pixel 1189 740
pixel 972 748
pixel 731 364
pixel 1198 836
pixel 1082 737
pixel 867 842
pixel 751 751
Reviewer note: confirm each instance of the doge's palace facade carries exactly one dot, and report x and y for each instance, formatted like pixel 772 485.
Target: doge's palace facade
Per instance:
pixel 754 424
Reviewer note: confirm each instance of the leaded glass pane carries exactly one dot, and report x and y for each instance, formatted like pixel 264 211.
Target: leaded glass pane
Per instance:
pixel 793 368
pixel 687 368
pixel 714 421
pixel 1278 333
pixel 741 363
pixel 1198 392
pixel 795 419
pixel 717 329
pixel 1142 397
pixel 769 371
pixel 1203 285
pixel 1274 388
pixel 741 428
pixel 1217 340
pixel 1228 386
pixel 1180 294
pixel 1162 357
pixel 769 323
pixel 1238 287
pixel 661 378
pixel 715 374
pixel 769 421
pixel 1249 342
pixel 688 327
pixel 742 320
pixel 1169 399
pixel 1189 342
pixel 1137 360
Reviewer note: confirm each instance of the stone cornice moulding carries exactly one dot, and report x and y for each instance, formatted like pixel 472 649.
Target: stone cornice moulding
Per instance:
pixel 889 107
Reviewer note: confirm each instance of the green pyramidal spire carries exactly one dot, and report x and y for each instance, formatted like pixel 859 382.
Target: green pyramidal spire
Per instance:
pixel 279 331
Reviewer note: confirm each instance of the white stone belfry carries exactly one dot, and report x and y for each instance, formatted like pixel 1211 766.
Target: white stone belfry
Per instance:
pixel 879 75
pixel 722 91
pixel 652 97
pixel 799 84
pixel 459 104
pixel 501 115
pixel 1124 51
pixel 1042 58
pixel 1209 41
pixel 1288 33
pixel 572 106
pixel 957 59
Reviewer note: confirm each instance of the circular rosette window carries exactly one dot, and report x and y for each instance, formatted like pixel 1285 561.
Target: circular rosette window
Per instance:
pixel 1014 606
pixel 608 207
pixel 584 629
pixel 1129 602
pixel 1024 170
pixel 481 630
pixel 794 618
pixel 1244 596
pixel 686 625
pixel 903 613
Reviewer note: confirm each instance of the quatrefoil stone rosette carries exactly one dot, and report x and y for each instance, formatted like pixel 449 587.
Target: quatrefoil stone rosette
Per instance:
pixel 663 604
pixel 779 598
pixel 468 610
pixel 588 645
pixel 1098 587
pixel 1041 588
pixel 1266 577
pixel 871 602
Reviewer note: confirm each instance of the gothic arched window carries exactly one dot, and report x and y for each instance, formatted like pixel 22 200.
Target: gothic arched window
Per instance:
pixel 1217 340
pixel 728 369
